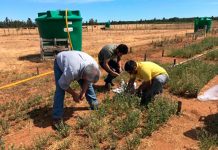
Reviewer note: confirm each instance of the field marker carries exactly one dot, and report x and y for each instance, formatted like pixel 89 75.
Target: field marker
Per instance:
pixel 163 53
pixel 37 70
pixel 145 57
pixel 174 62
pixel 179 108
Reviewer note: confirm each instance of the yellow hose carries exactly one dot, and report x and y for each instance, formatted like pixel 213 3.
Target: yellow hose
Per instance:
pixel 68 33
pixel 25 80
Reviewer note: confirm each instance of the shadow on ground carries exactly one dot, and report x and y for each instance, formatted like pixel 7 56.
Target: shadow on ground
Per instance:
pixel 31 57
pixel 210 125
pixel 42 116
pixel 100 88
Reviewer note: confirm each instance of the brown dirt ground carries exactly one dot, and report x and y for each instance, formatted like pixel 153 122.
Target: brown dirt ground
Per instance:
pixel 19 56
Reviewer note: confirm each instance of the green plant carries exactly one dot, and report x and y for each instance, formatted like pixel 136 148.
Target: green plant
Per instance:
pixel 132 143
pixel 63 130
pixel 42 141
pixel 75 85
pixel 64 145
pixel 212 55
pixel 4 126
pixel 187 79
pixel 207 140
pixel 129 123
pixel 2 144
pixel 158 112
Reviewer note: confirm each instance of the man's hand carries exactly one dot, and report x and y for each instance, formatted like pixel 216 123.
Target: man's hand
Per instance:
pixel 114 74
pixel 76 97
pixel 84 89
pixel 82 96
pixel 74 94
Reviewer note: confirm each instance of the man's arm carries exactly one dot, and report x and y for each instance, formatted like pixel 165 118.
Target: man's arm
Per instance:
pixel 73 93
pixel 64 82
pixel 119 63
pixel 131 83
pixel 107 68
pixel 84 89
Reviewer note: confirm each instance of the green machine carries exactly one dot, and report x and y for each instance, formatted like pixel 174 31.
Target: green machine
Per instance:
pixel 203 23
pixel 59 31
pixel 107 25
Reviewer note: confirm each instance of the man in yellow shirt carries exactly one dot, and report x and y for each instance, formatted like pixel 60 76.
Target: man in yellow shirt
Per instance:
pixel 153 76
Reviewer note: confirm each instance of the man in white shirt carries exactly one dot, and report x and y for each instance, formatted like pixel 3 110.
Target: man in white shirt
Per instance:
pixel 74 66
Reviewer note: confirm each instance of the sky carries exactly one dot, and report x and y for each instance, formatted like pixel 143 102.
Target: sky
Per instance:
pixel 105 10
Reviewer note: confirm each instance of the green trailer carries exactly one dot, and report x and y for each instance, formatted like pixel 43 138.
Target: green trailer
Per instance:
pixel 59 31
pixel 203 23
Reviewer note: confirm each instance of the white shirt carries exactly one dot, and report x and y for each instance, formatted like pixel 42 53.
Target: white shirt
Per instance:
pixel 72 64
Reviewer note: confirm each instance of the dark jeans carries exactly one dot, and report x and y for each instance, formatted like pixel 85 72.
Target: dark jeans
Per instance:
pixel 113 66
pixel 156 88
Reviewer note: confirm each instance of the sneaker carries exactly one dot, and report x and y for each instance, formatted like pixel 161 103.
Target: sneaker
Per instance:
pixel 94 105
pixel 56 123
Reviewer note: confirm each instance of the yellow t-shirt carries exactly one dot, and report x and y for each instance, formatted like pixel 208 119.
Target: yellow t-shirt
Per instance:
pixel 148 70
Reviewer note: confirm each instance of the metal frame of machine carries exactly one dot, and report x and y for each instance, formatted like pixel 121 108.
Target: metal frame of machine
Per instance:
pixel 51 47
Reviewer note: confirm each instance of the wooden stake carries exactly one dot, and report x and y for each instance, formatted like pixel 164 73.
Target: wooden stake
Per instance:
pixel 174 62
pixel 37 69
pixel 179 108
pixel 145 57
pixel 130 49
pixel 163 53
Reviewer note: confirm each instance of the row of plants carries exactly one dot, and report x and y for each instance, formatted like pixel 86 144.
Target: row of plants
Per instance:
pixel 212 56
pixel 122 119
pixel 188 79
pixel 193 49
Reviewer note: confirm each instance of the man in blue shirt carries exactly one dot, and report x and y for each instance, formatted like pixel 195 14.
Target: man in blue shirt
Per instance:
pixel 74 66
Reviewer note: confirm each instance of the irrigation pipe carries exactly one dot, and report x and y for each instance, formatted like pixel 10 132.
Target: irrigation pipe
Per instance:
pixel 25 80
pixel 195 57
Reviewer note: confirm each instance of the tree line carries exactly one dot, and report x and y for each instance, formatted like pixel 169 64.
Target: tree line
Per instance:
pixel 145 21
pixel 9 23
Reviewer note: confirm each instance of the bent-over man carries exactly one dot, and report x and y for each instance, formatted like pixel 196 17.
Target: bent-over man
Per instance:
pixel 153 76
pixel 109 59
pixel 72 66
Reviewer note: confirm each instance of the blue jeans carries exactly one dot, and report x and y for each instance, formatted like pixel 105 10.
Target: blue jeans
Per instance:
pixel 58 105
pixel 156 88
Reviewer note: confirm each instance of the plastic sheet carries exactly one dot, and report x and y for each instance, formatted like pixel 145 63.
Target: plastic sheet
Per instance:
pixel 122 87
pixel 211 94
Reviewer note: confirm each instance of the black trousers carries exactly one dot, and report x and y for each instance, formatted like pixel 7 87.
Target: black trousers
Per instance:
pixel 114 65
